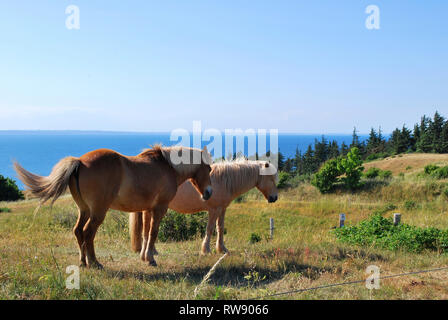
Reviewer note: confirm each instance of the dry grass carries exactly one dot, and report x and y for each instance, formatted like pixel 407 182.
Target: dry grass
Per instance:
pixel 302 254
pixel 408 163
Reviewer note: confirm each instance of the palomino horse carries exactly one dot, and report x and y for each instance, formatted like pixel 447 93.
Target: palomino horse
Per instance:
pixel 229 180
pixel 103 179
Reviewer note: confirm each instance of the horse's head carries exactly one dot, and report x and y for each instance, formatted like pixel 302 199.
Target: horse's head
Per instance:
pixel 267 181
pixel 201 178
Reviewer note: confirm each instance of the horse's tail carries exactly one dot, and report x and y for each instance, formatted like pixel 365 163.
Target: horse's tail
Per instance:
pixel 53 186
pixel 135 230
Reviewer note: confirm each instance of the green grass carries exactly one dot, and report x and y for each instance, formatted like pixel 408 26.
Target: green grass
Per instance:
pixel 34 252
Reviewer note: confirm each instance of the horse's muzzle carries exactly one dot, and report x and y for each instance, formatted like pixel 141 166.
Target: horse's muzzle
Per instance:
pixel 272 199
pixel 207 193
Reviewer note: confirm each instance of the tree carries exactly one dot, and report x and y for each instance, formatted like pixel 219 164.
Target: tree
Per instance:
pixel 333 150
pixel 325 179
pixel 321 150
pixel 298 162
pixel 309 163
pixel 351 165
pixel 435 131
pixel 281 161
pixel 9 191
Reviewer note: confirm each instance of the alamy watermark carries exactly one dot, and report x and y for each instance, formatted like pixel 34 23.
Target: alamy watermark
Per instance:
pixel 222 144
pixel 72 281
pixel 73 19
pixel 373 279
pixel 373 20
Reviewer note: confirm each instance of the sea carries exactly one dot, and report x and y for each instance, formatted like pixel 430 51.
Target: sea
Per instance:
pixel 39 151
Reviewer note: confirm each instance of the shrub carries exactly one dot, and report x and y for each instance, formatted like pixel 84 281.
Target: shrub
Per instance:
pixel 180 227
pixel 282 179
pixel 385 174
pixel 351 165
pixel 239 199
pixel 327 176
pixel 9 191
pixel 372 173
pixel 430 168
pixel 440 173
pixel 381 232
pixel 374 156
pixel 254 238
pixel 4 209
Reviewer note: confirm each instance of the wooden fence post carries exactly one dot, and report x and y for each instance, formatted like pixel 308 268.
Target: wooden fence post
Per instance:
pixel 271 227
pixel 397 219
pixel 341 220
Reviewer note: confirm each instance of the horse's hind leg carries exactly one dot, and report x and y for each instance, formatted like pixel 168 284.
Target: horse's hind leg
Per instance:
pixel 78 231
pixel 96 218
pixel 146 221
pixel 220 230
pixel 157 215
pixel 212 215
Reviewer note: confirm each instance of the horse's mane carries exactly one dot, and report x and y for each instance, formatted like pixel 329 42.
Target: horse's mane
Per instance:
pixel 159 152
pixel 238 173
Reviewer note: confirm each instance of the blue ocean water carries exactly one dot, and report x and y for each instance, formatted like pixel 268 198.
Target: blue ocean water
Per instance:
pixel 39 151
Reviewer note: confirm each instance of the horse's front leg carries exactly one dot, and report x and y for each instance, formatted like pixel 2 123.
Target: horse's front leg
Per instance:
pixel 157 214
pixel 220 231
pixel 212 215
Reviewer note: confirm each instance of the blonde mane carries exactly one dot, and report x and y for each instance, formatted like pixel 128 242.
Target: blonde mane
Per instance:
pixel 237 174
pixel 181 168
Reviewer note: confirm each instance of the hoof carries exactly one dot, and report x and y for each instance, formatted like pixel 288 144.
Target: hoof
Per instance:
pixel 96 265
pixel 222 250
pixel 152 263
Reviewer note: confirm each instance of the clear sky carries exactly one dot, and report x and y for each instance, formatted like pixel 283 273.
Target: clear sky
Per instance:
pixel 301 66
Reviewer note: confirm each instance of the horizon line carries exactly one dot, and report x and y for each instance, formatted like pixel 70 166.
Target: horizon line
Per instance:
pixel 158 132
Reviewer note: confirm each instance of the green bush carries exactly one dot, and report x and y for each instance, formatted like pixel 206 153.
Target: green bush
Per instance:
pixel 4 209
pixel 351 165
pixel 440 173
pixel 9 191
pixel 375 156
pixel 372 173
pixel 381 232
pixel 282 179
pixel 385 174
pixel 327 176
pixel 180 227
pixel 430 168
pixel 254 238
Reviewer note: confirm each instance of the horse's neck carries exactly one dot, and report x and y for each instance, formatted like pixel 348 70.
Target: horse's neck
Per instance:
pixel 242 188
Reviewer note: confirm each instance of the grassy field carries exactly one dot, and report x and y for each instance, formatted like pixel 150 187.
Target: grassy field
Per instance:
pixel 304 253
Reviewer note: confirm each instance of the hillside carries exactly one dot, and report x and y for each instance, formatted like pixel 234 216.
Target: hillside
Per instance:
pixel 408 163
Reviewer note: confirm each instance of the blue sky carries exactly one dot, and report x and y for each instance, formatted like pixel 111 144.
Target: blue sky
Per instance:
pixel 297 66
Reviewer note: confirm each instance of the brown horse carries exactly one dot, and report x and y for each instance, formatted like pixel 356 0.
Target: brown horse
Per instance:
pixel 104 179
pixel 229 180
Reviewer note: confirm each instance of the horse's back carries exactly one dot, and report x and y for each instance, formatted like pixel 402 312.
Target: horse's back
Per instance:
pixel 145 182
pixel 100 175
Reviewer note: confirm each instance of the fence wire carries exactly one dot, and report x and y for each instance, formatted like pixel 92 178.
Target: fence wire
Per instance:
pixel 347 283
